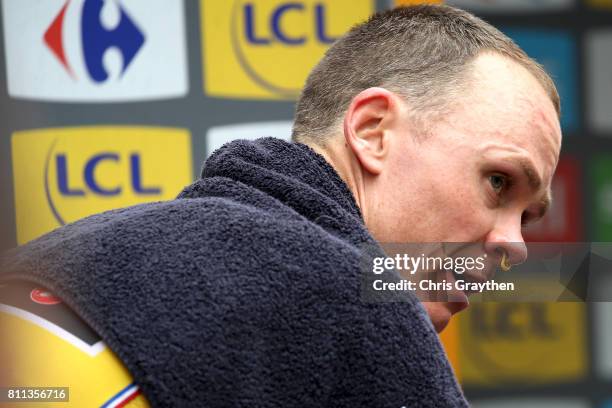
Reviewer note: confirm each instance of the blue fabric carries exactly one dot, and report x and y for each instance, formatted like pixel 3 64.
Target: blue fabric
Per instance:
pixel 245 292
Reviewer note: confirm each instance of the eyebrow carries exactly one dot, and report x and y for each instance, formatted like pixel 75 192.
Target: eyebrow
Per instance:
pixel 532 175
pixel 535 182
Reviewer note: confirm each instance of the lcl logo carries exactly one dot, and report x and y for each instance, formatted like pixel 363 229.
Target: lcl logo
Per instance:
pixel 510 341
pixel 94 186
pixel 282 14
pixel 265 49
pixel 512 321
pixel 64 174
pixel 283 29
pixel 93 180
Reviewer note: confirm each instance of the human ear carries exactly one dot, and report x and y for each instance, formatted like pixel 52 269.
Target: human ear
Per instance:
pixel 367 123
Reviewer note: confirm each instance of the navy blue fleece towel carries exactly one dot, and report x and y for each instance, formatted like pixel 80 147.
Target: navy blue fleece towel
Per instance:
pixel 245 292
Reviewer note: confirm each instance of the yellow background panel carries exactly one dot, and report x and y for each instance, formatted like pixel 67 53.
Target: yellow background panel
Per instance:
pixel 522 343
pixel 164 162
pixel 236 68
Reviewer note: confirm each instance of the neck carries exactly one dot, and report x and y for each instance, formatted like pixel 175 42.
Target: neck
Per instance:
pixel 342 159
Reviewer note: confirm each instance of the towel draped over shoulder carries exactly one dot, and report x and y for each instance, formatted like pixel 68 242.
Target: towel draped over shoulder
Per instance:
pixel 244 291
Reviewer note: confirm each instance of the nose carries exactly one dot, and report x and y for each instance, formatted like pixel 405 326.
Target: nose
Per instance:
pixel 507 238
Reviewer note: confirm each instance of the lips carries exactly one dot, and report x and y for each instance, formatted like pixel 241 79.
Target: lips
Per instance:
pixel 457 299
pixel 454 300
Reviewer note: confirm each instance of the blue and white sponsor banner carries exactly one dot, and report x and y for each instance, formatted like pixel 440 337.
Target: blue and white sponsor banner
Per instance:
pixel 95 50
pixel 599 80
pixel 219 135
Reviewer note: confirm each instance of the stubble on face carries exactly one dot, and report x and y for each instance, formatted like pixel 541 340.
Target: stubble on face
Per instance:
pixel 502 115
pixel 504 122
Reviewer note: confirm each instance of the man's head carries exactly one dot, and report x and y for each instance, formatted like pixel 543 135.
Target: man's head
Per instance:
pixel 443 128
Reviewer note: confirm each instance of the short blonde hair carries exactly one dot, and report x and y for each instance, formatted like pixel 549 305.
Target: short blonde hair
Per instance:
pixel 420 52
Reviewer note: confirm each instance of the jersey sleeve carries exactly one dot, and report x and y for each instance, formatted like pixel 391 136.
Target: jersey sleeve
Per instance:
pixel 43 343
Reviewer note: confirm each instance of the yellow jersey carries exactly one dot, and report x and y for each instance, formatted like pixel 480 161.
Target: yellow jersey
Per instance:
pixel 43 343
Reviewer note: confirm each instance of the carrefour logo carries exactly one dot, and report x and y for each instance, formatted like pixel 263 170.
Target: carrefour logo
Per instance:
pixel 266 49
pixel 95 50
pixel 91 185
pixel 62 175
pixel 96 39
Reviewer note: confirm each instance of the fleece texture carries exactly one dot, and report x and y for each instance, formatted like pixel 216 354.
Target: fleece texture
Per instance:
pixel 244 292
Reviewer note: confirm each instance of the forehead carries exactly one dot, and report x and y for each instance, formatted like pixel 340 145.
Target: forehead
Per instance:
pixel 505 107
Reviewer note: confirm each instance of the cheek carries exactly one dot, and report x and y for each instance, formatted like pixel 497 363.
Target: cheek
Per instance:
pixel 463 214
pixel 434 202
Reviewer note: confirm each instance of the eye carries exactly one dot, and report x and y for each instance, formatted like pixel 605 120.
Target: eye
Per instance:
pixel 499 182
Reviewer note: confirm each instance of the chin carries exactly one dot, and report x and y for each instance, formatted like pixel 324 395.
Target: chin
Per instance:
pixel 439 315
